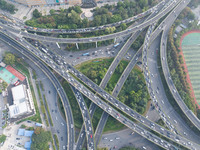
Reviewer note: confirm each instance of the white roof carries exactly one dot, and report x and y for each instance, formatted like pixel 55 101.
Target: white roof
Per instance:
pixel 18 93
pixel 18 109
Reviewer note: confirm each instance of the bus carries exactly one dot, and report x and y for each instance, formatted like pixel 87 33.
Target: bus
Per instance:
pixel 116 45
pixel 58 45
pixel 86 54
pixel 43 50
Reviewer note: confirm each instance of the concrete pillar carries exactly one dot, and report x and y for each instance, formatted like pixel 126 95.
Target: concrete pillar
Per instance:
pixel 115 39
pixel 77 46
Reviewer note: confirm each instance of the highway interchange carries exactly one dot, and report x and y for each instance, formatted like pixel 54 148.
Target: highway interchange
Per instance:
pixel 113 104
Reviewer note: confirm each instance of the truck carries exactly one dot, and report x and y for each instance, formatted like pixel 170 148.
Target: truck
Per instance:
pixel 58 45
pixel 86 54
pixel 44 50
pixel 116 45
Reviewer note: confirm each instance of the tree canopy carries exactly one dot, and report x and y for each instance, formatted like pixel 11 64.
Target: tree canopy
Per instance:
pixel 9 58
pixel 8 7
pixel 40 139
pixel 70 18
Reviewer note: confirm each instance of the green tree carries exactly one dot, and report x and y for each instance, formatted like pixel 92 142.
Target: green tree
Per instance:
pixel 123 26
pixel 9 59
pixel 52 11
pixel 37 14
pixel 40 141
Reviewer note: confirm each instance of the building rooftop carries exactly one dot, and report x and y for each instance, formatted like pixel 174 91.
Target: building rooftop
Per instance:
pixel 18 93
pixel 18 109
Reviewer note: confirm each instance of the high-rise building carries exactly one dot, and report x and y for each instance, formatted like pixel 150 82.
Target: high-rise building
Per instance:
pixel 31 3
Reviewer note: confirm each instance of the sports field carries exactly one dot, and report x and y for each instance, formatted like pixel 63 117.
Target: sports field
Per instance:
pixel 191 51
pixel 6 75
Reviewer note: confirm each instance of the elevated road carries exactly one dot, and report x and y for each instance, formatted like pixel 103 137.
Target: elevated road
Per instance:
pixel 56 83
pixel 87 120
pixel 169 116
pixel 95 39
pixel 96 100
pixel 188 113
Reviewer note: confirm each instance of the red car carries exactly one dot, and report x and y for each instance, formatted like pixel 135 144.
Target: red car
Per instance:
pixel 118 114
pixel 90 135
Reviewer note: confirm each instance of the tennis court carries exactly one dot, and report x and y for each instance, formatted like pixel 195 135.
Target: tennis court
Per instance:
pixel 191 51
pixel 6 75
pixel 15 73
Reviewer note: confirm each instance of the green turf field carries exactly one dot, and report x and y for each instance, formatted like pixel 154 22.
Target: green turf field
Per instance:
pixel 191 50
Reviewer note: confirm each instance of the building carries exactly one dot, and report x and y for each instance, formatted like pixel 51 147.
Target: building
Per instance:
pixel 22 101
pixel 31 3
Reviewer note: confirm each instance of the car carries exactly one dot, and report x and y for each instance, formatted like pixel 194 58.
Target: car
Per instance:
pixel 61 138
pixel 90 135
pixel 63 146
pixel 144 147
pixel 118 114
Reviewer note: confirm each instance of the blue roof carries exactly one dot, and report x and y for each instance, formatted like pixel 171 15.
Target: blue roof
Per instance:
pixel 21 132
pixel 28 133
pixel 27 145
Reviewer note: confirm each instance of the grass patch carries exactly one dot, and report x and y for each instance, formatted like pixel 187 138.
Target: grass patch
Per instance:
pixel 42 105
pixel 95 69
pixel 2 138
pixel 78 121
pixel 113 125
pixel 56 140
pixel 47 107
pixel 115 76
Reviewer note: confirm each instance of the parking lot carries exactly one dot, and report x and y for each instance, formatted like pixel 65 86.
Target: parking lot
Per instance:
pixel 13 141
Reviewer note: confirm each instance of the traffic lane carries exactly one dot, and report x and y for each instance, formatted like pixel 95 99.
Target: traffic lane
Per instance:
pixel 100 127
pixel 51 98
pixel 70 82
pixel 20 48
pixel 94 39
pixel 125 137
pixel 126 73
pixel 118 58
pixel 59 122
pixel 86 118
pixel 82 134
pixel 136 116
pixel 177 118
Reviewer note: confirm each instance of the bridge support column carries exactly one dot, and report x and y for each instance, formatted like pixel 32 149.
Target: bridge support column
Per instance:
pixel 77 46
pixel 96 44
pixel 115 39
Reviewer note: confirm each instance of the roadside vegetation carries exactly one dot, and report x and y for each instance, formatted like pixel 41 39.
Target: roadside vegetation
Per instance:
pixel 175 60
pixel 70 18
pixel 78 121
pixel 40 139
